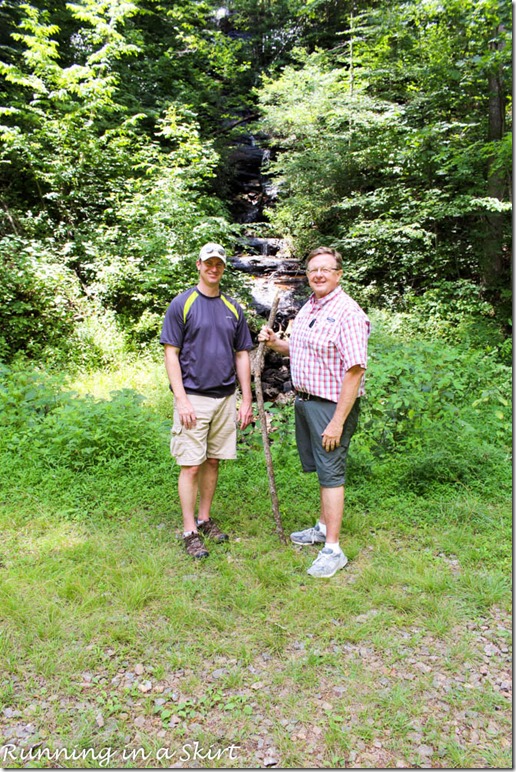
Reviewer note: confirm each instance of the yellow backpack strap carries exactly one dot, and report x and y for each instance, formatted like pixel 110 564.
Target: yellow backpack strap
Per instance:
pixel 229 305
pixel 190 300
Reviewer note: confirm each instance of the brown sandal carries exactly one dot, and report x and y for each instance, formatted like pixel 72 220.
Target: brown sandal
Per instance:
pixel 194 546
pixel 211 530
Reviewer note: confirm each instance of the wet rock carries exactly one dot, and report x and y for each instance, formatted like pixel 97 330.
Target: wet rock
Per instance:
pixel 263 264
pixel 263 246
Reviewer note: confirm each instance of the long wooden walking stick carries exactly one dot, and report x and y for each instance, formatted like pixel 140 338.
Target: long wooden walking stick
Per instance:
pixel 258 366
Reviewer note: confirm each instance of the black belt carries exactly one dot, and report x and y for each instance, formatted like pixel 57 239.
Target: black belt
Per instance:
pixel 303 395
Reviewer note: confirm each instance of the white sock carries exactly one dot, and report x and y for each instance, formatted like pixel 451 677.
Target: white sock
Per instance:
pixel 334 547
pixel 188 533
pixel 322 527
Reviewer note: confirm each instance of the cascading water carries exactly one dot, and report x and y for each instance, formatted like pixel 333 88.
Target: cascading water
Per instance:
pixel 266 259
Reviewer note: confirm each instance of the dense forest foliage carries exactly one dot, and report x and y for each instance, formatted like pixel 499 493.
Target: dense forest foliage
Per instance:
pixel 388 125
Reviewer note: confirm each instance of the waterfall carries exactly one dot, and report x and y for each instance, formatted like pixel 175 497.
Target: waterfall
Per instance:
pixel 267 259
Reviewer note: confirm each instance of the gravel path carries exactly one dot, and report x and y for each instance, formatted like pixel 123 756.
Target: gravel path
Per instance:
pixel 420 702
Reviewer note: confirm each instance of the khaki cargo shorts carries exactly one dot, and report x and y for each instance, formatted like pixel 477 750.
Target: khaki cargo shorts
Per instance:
pixel 214 436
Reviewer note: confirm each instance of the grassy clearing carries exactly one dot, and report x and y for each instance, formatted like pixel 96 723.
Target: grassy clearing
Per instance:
pixel 119 649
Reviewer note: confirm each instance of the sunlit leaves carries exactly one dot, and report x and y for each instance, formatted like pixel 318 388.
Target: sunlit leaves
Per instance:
pixel 390 166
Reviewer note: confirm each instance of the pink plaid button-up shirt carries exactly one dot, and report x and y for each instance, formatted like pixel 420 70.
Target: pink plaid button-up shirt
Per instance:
pixel 329 336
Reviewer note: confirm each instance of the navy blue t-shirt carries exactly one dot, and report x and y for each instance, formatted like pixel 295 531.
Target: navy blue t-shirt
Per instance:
pixel 208 331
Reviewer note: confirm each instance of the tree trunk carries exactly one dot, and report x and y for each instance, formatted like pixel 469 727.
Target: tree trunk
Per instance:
pixel 493 252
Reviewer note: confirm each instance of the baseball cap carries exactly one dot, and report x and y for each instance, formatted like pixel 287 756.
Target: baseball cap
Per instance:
pixel 212 250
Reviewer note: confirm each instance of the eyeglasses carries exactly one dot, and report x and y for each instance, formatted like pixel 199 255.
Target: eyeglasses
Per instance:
pixel 324 271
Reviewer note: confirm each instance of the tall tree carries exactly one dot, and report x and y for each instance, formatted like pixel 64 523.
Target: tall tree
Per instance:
pixel 83 163
pixel 498 182
pixel 387 154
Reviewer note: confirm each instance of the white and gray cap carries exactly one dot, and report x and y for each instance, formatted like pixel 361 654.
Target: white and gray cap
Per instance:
pixel 212 250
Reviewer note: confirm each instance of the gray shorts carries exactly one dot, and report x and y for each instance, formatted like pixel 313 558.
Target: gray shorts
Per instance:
pixel 312 418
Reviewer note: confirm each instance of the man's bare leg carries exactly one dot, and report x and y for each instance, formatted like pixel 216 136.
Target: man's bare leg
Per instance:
pixel 332 511
pixel 208 476
pixel 187 486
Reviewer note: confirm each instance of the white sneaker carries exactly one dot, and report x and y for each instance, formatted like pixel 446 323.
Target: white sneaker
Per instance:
pixel 308 536
pixel 327 563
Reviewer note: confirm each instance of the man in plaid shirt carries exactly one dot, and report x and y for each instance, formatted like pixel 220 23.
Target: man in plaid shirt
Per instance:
pixel 328 359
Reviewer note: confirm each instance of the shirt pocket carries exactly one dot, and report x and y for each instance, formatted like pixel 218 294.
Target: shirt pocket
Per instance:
pixel 324 344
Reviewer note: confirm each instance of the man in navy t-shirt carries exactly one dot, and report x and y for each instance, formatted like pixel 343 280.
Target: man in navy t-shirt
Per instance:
pixel 207 344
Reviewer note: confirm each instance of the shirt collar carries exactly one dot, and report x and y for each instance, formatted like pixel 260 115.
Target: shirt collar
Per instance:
pixel 320 302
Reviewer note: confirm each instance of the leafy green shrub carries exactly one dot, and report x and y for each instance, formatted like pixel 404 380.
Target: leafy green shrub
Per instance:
pixel 434 415
pixel 84 432
pixel 449 458
pixel 413 385
pixel 37 298
pixel 100 342
pixel 26 397
pixel 456 312
pixel 59 428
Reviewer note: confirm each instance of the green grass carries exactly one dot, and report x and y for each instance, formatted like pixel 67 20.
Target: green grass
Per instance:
pixel 111 637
